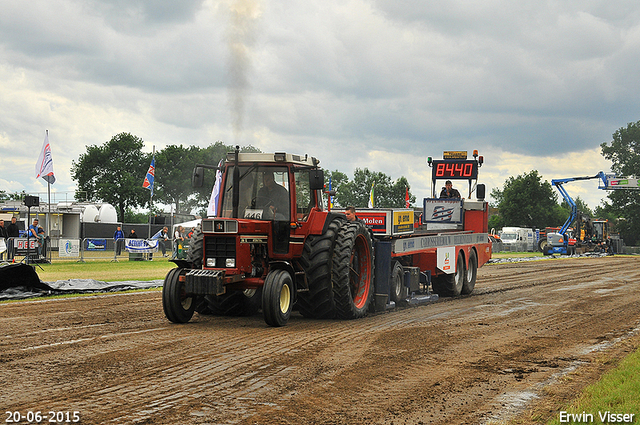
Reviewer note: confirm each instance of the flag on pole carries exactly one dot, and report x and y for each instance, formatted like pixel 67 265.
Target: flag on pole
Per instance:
pixel 151 175
pixel 212 208
pixel 44 166
pixel 330 197
pixel 406 198
pixel 371 202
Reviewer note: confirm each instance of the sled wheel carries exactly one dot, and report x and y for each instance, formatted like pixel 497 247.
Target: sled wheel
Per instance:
pixel 177 305
pixel 450 285
pixel 472 273
pixel 399 292
pixel 277 298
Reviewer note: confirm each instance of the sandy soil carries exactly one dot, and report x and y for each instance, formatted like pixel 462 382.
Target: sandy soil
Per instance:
pixel 531 335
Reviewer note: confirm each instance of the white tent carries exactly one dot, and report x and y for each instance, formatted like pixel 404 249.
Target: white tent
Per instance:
pixel 187 225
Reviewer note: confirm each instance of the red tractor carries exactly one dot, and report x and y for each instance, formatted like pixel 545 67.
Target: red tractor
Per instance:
pixel 272 244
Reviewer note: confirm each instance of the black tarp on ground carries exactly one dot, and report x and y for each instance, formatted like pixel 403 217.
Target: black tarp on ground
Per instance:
pixel 20 281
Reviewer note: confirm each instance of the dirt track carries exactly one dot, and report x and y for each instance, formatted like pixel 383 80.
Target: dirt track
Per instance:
pixel 472 360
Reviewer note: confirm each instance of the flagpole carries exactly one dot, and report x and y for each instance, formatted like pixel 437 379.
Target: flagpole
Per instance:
pixel 48 206
pixel 151 194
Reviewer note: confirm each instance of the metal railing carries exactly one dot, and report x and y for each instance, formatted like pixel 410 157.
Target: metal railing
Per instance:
pixel 81 250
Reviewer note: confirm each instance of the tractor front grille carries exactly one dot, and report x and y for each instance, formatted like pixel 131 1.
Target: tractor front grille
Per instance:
pixel 221 248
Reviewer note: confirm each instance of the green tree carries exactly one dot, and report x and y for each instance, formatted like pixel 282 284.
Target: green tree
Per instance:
pixel 114 173
pixel 526 201
pixel 387 194
pixel 174 168
pixel 624 153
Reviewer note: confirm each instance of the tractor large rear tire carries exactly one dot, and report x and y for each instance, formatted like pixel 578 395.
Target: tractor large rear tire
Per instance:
pixel 316 261
pixel 352 274
pixel 450 285
pixel 178 307
pixel 195 252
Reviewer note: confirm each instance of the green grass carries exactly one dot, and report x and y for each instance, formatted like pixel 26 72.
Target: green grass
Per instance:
pixel 105 270
pixel 618 392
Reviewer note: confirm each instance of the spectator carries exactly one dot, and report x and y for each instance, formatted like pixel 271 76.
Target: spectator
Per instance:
pixel 162 237
pixel 3 239
pixel 118 238
pixel 12 232
pixel 39 237
pixel 132 234
pixel 178 240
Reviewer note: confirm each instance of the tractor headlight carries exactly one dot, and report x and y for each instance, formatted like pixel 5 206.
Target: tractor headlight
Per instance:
pixel 230 262
pixel 211 262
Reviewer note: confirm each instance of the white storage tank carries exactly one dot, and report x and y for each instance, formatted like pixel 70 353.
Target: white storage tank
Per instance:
pixel 89 214
pixel 108 214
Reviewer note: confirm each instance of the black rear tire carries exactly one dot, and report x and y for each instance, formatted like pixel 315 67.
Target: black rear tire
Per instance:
pixel 471 274
pixel 195 252
pixel 277 298
pixel 318 301
pixel 352 274
pixel 177 305
pixel 399 292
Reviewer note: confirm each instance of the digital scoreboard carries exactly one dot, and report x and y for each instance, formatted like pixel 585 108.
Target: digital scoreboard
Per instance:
pixel 454 169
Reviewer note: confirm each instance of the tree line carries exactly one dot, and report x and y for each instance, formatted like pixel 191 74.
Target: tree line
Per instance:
pixel 114 171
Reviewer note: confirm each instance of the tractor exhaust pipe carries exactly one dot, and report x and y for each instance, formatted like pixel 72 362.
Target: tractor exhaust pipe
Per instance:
pixel 236 184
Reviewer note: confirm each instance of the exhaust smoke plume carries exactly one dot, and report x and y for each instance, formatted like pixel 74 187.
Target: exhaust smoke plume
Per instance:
pixel 240 39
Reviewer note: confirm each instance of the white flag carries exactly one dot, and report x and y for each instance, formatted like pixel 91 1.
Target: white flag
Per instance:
pixel 371 196
pixel 44 166
pixel 215 193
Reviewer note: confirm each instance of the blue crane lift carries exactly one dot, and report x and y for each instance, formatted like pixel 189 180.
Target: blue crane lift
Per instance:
pixel 559 242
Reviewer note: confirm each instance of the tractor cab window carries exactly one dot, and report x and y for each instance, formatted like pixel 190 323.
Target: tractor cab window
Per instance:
pixel 264 193
pixel 304 199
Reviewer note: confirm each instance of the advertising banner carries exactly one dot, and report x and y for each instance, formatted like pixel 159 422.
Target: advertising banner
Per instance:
pixel 442 210
pixel 20 246
pixel 141 245
pixel 402 222
pixel 69 248
pixel 95 245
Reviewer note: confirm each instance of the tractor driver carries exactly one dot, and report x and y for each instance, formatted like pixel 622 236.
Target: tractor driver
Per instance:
pixel 273 198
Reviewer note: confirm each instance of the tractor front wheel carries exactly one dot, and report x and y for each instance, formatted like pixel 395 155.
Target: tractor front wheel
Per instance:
pixel 277 298
pixel 177 305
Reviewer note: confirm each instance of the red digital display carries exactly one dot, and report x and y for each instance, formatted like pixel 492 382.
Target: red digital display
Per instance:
pixel 451 169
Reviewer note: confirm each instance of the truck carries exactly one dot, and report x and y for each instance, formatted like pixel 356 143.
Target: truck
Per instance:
pixel 273 245
pixel 518 239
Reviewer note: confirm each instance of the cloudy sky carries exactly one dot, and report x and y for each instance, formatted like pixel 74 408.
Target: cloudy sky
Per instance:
pixel 382 84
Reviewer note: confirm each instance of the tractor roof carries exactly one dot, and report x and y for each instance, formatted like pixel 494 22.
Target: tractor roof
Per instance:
pixel 278 157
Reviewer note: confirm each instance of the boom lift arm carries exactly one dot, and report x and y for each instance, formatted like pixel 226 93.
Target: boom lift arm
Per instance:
pixel 607 182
